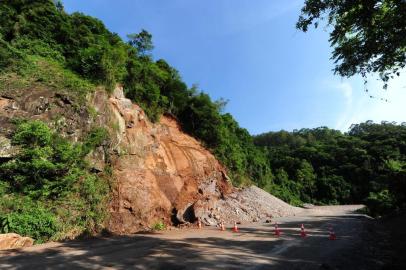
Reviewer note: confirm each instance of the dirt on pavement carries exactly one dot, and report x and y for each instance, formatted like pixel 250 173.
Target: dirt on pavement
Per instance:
pixel 254 247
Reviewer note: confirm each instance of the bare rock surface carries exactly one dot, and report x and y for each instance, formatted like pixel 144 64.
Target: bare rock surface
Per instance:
pixel 159 172
pixel 13 240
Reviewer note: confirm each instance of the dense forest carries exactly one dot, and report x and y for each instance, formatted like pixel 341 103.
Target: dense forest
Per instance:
pixel 40 42
pixel 324 166
pixel 34 33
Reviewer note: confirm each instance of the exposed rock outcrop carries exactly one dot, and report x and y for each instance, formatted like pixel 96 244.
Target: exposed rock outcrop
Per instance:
pixel 159 171
pixel 13 240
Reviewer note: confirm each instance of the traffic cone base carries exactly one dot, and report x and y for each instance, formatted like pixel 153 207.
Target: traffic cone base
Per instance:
pixel 302 231
pixel 332 236
pixel 235 228
pixel 277 232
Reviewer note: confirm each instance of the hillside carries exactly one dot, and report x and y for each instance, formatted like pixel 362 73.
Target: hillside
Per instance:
pixel 153 165
pixel 96 135
pixel 155 172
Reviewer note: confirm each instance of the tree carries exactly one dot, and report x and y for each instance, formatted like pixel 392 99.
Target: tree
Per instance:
pixel 305 175
pixel 367 36
pixel 142 42
pixel 59 5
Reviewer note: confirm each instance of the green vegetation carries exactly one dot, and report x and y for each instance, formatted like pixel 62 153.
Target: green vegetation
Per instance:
pixel 46 189
pixel 159 226
pixel 367 36
pixel 366 165
pixel 46 46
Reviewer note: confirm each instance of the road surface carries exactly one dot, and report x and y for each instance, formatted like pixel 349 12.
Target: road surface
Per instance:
pixel 254 247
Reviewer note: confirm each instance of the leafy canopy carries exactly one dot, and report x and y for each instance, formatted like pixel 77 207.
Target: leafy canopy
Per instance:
pixel 367 36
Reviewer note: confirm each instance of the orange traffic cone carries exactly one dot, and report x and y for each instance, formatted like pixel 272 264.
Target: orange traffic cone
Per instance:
pixel 235 228
pixel 332 234
pixel 277 232
pixel 302 231
pixel 199 223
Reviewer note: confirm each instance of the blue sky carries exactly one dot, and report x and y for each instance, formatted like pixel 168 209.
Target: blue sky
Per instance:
pixel 249 52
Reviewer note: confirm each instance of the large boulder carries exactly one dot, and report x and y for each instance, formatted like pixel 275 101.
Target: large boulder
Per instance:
pixel 13 240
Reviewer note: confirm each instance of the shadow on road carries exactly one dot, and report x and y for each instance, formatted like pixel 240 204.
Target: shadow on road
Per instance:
pixel 253 248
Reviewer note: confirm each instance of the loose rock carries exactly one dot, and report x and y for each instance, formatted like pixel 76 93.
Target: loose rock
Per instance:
pixel 13 240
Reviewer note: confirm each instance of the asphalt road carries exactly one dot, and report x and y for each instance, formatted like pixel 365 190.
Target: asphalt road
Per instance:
pixel 254 247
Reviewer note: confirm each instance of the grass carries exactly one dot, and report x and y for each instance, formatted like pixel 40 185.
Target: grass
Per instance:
pixel 36 71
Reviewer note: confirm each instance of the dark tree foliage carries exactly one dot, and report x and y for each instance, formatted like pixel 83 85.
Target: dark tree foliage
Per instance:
pixel 141 41
pixel 366 165
pixel 85 45
pixel 367 36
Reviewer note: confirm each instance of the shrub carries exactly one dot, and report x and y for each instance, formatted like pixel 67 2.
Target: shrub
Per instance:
pixel 380 203
pixel 33 221
pixel 39 48
pixel 159 226
pixel 52 171
pixel 95 138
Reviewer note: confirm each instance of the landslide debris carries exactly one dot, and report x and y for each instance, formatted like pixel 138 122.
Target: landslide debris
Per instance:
pixel 250 204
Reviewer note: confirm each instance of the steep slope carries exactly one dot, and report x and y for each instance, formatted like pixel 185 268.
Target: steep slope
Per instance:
pixel 159 171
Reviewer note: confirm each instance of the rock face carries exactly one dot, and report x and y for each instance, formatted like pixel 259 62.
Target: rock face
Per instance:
pixel 159 172
pixel 70 120
pixel 13 240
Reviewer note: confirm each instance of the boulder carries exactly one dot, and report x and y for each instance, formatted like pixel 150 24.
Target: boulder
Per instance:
pixel 13 240
pixel 6 149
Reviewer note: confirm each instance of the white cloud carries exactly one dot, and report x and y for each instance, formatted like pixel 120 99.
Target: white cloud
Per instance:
pixel 385 105
pixel 346 89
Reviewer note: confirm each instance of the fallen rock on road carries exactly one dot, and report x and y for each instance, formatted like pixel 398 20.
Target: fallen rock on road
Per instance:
pixel 13 240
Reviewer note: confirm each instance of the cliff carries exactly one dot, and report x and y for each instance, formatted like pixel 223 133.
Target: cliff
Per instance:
pixel 158 172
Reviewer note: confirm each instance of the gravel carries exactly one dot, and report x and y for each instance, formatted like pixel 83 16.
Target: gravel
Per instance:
pixel 250 204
